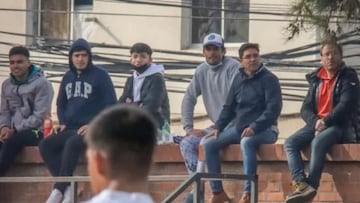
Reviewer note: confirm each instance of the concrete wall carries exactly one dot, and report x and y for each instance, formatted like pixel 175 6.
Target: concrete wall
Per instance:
pixel 161 26
pixel 139 23
pixel 271 35
pixel 13 22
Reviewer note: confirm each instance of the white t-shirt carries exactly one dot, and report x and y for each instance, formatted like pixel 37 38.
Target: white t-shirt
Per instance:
pixel 113 196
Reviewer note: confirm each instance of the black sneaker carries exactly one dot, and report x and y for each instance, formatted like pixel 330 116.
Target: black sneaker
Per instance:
pixel 303 193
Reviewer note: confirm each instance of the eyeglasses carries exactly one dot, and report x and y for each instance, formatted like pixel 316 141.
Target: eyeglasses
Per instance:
pixel 250 56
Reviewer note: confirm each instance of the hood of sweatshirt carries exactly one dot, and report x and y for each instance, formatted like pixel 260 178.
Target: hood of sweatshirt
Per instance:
pixel 35 72
pixel 78 45
pixel 153 69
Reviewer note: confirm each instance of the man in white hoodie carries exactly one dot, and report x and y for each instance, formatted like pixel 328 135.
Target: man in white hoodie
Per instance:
pixel 146 87
pixel 119 154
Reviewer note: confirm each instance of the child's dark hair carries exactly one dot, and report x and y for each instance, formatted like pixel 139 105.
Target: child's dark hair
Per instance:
pixel 127 135
pixel 141 48
pixel 19 50
pixel 246 46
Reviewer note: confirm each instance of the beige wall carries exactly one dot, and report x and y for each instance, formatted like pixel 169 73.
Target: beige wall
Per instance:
pixel 171 33
pixel 160 32
pixel 12 22
pixel 271 35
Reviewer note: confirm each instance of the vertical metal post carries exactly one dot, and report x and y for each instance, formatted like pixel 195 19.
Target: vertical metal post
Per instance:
pixel 39 12
pixel 71 12
pixel 202 190
pixel 73 186
pixel 197 190
pixel 254 189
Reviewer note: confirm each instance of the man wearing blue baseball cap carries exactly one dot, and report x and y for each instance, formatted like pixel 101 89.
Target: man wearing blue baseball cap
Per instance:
pixel 212 80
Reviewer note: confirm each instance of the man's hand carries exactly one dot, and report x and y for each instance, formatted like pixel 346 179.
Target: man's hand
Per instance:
pixel 247 132
pixel 214 132
pixel 128 100
pixel 58 128
pixel 196 132
pixel 5 133
pixel 320 125
pixel 82 130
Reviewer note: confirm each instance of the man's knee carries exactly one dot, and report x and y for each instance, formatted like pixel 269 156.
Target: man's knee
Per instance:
pixel 291 143
pixel 319 147
pixel 75 142
pixel 247 143
pixel 206 139
pixel 46 143
pixel 190 141
pixel 42 145
pixel 11 140
pixel 211 146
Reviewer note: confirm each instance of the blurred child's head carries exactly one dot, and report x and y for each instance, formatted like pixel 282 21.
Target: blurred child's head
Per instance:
pixel 120 142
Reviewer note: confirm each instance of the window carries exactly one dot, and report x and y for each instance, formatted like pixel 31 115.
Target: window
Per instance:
pixel 230 18
pixel 54 24
pixel 56 20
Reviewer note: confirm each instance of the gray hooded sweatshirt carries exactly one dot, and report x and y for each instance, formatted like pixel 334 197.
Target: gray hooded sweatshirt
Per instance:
pixel 213 84
pixel 24 105
pixel 139 79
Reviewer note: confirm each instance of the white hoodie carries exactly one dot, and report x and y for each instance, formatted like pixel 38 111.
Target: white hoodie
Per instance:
pixel 112 196
pixel 139 79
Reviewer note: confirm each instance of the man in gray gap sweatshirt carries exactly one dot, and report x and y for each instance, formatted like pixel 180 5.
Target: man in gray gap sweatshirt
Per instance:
pixel 212 80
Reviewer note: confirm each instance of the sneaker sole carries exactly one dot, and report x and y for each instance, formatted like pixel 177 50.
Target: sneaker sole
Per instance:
pixel 301 199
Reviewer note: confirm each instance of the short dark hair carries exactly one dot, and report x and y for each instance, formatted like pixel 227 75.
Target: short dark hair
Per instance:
pixel 127 135
pixel 19 50
pixel 246 46
pixel 331 43
pixel 141 48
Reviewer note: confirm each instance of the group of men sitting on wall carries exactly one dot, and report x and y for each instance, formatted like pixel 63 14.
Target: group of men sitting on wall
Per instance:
pixel 242 99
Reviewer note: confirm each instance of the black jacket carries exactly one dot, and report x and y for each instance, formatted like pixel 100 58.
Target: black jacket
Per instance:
pixel 153 97
pixel 344 98
pixel 255 102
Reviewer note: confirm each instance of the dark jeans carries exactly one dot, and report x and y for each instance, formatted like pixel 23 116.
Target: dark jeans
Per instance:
pixel 320 145
pixel 248 145
pixel 61 153
pixel 13 145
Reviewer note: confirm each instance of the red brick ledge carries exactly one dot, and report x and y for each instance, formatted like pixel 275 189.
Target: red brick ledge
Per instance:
pixel 268 152
pixel 276 152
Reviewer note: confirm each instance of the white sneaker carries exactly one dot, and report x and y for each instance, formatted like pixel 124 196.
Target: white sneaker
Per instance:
pixel 67 195
pixel 55 196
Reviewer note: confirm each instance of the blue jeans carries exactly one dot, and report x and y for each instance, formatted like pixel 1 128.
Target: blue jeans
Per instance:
pixel 320 145
pixel 248 145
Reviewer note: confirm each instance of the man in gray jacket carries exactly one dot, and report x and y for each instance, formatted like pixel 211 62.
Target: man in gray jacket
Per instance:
pixel 26 98
pixel 212 80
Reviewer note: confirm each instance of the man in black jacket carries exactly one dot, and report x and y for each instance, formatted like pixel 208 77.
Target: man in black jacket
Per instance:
pixel 146 88
pixel 327 112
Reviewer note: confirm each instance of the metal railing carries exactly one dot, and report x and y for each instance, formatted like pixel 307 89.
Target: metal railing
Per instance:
pixel 74 180
pixel 198 190
pixel 197 179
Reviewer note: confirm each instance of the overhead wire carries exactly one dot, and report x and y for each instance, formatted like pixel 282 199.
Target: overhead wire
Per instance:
pixel 273 59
